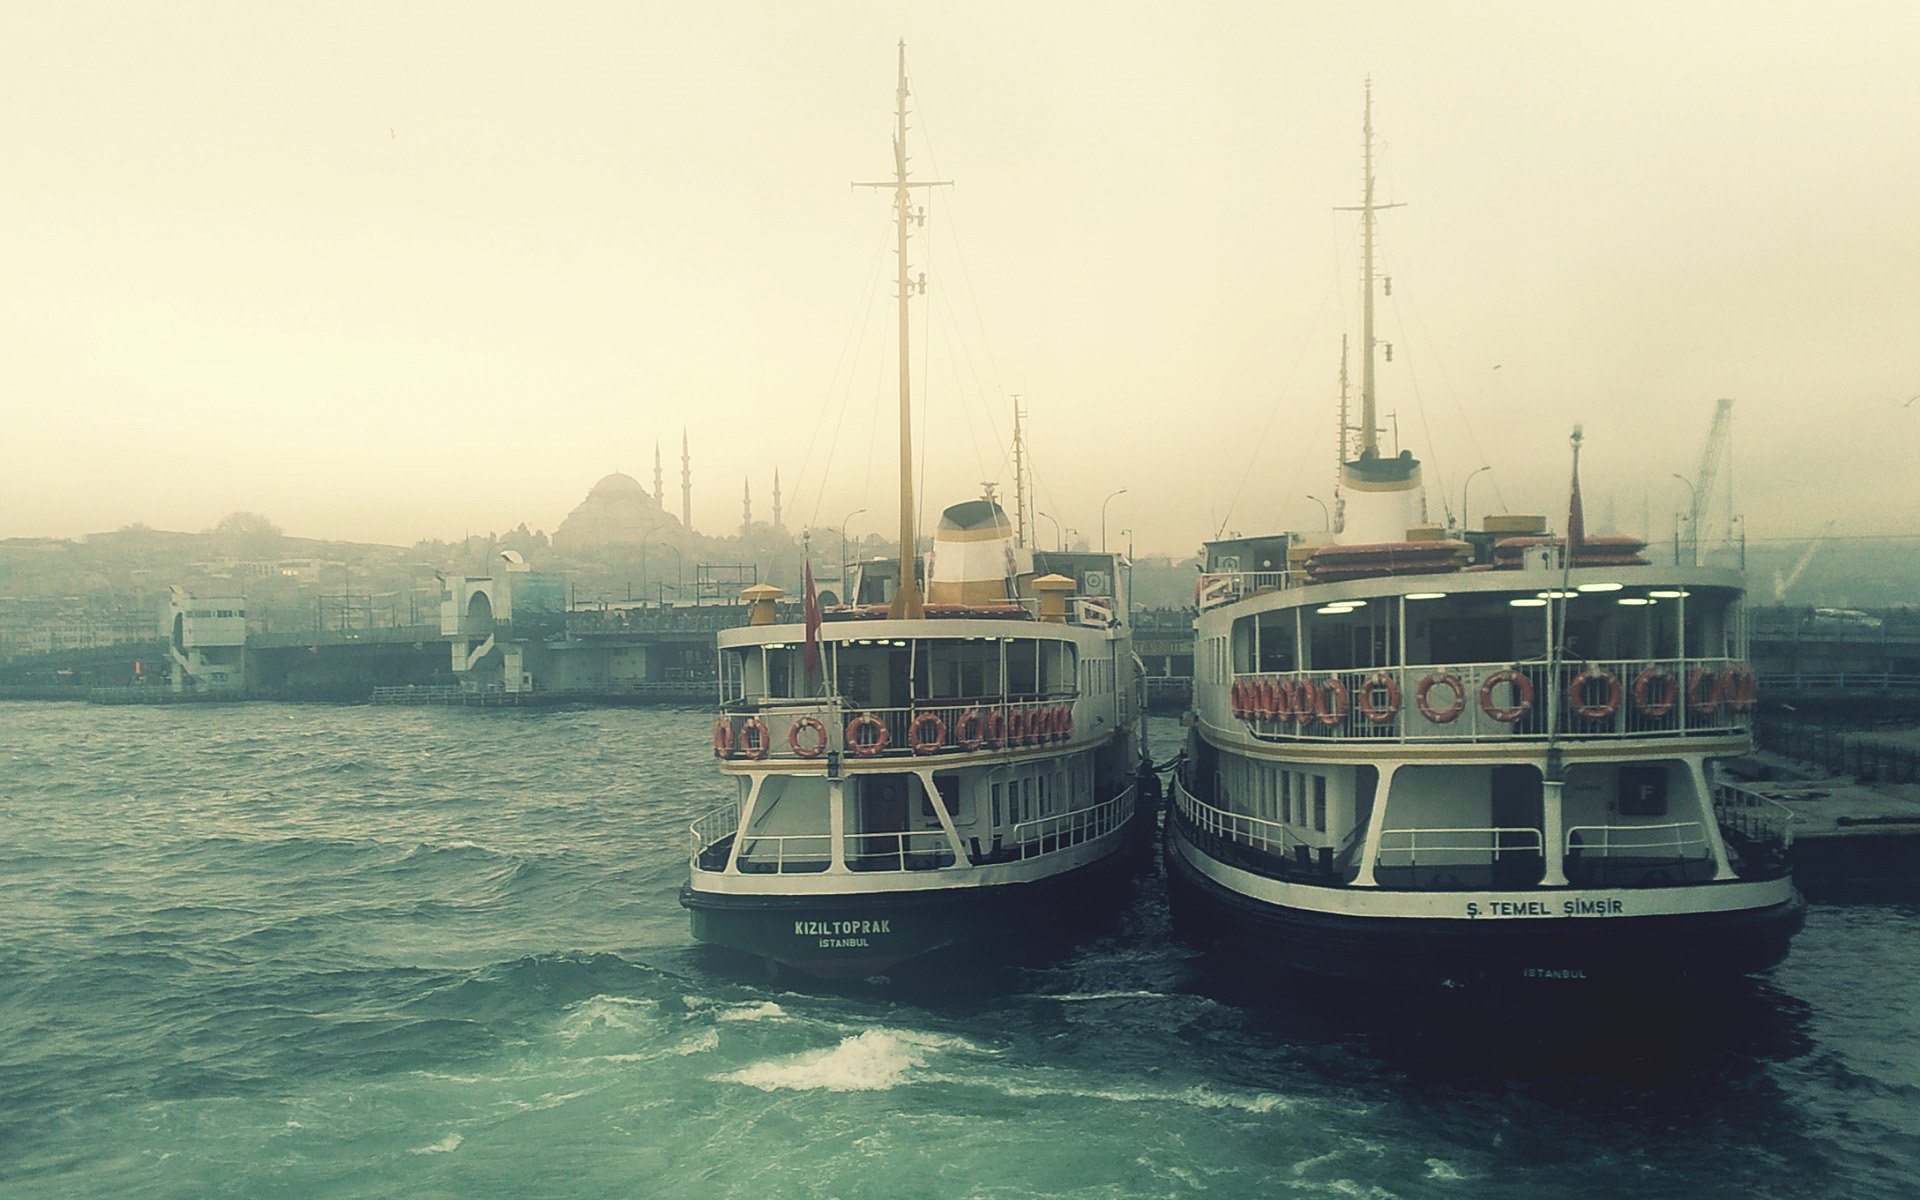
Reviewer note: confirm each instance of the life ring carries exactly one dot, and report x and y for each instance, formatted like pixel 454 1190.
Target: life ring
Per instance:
pixel 1267 706
pixel 1379 714
pixel 996 729
pixel 1238 695
pixel 1577 694
pixel 1330 701
pixel 818 744
pixel 1739 688
pixel 1449 714
pixel 723 738
pixel 1522 695
pixel 1039 726
pixel 1703 691
pixel 1282 700
pixel 1643 685
pixel 970 730
pixel 1061 722
pixel 930 741
pixel 863 748
pixel 1017 727
pixel 1066 721
pixel 754 739
pixel 1306 699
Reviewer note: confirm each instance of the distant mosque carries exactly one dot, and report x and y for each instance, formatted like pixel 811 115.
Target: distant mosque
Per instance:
pixel 619 511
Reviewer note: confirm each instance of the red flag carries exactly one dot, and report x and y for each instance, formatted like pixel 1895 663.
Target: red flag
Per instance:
pixel 810 648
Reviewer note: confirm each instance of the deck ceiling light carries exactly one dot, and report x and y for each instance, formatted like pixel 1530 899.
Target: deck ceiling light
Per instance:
pixel 1635 600
pixel 1668 594
pixel 1600 587
pixel 1528 602
pixel 1425 596
pixel 1334 608
pixel 1554 595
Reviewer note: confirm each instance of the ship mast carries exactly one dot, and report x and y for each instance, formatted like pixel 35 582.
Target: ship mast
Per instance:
pixel 1021 518
pixel 908 603
pixel 1369 444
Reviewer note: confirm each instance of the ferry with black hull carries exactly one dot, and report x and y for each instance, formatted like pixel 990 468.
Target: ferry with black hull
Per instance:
pixel 1425 756
pixel 915 775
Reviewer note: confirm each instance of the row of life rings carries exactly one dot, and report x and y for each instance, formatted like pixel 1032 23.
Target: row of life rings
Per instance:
pixel 867 734
pixel 1594 694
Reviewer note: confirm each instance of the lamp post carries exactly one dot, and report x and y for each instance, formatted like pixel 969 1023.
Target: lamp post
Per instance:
pixel 1059 541
pixel 1103 516
pixel 844 598
pixel 1326 518
pixel 1693 532
pixel 1464 524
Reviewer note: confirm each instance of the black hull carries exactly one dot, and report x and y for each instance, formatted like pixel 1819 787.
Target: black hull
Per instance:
pixel 1696 948
pixel 855 936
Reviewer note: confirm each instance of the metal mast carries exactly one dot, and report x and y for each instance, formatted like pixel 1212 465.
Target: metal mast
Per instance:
pixel 908 603
pixel 1366 208
pixel 1021 518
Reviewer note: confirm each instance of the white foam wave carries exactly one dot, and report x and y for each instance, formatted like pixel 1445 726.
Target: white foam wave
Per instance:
pixel 699 1043
pixel 876 1060
pixel 445 1145
pixel 763 1011
pixel 1197 1096
pixel 1442 1170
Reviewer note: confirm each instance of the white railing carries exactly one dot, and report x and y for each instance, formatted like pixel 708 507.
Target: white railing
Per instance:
pixel 1226 587
pixel 794 731
pixel 906 850
pixel 1757 818
pixel 1273 837
pixel 1677 840
pixel 1472 702
pixel 785 853
pixel 713 827
pixel 1465 846
pixel 1062 831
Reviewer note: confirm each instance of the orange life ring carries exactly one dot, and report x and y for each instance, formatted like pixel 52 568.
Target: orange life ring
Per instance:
pixel 1017 727
pixel 819 737
pixel 933 740
pixel 754 738
pixel 1305 698
pixel 1522 695
pixel 1577 694
pixel 1330 701
pixel 1066 721
pixel 1643 692
pixel 1739 687
pixel 970 730
pixel 1282 700
pixel 867 749
pixel 1379 714
pixel 996 729
pixel 722 738
pixel 1703 691
pixel 1449 714
pixel 1263 699
pixel 1238 694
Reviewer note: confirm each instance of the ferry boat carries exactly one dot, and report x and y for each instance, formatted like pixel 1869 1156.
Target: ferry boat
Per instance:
pixel 1470 760
pixel 916 773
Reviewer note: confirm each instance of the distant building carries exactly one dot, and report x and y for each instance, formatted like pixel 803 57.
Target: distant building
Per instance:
pixel 617 512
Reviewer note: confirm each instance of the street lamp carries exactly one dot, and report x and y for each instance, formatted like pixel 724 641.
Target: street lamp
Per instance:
pixel 1325 516
pixel 1059 541
pixel 1464 524
pixel 1103 516
pixel 1693 530
pixel 844 598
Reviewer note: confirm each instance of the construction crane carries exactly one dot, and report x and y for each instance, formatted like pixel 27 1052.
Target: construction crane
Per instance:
pixel 1782 582
pixel 1715 465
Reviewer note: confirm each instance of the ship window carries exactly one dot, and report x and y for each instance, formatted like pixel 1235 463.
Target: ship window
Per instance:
pixel 1320 803
pixel 1286 797
pixel 1643 792
pixel 996 804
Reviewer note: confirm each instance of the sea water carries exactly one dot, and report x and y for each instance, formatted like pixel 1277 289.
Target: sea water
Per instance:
pixel 267 950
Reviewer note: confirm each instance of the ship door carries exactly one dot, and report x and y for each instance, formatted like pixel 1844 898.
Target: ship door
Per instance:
pixel 1517 799
pixel 881 824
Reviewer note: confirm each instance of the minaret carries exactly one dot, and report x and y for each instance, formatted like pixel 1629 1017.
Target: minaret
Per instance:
pixel 777 522
pixel 746 505
pixel 659 484
pixel 686 484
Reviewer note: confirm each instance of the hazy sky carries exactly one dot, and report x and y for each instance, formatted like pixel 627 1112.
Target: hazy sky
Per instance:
pixel 393 271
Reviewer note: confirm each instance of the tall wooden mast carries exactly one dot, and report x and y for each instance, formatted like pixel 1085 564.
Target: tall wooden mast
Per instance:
pixel 908 602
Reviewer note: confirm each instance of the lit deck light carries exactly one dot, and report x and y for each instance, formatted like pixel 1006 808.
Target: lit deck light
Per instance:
pixel 1668 595
pixel 1425 596
pixel 1555 595
pixel 1600 587
pixel 1528 602
pixel 1635 600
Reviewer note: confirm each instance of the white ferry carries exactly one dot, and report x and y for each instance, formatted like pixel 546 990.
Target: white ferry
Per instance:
pixel 1425 759
pixel 914 774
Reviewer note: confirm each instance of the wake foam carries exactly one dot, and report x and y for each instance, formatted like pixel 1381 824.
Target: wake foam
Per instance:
pixel 876 1060
pixel 445 1145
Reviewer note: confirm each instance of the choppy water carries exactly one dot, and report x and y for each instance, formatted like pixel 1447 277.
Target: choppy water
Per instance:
pixel 290 951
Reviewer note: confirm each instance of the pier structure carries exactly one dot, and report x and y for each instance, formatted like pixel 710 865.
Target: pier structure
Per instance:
pixel 206 640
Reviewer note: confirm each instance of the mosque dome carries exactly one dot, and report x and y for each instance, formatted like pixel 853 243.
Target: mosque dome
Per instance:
pixel 618 511
pixel 618 484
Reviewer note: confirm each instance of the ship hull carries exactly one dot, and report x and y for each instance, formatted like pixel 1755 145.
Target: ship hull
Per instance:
pixel 1623 952
pixel 857 935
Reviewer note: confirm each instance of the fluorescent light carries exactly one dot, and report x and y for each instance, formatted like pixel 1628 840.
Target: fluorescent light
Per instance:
pixel 1527 602
pixel 1554 595
pixel 1634 600
pixel 1334 608
pixel 1425 596
pixel 1600 587
pixel 1667 595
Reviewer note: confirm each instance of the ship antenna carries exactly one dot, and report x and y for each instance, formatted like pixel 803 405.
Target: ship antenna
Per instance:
pixel 1021 519
pixel 1366 208
pixel 908 603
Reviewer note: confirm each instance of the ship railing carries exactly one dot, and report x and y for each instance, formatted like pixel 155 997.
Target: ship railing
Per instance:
pixel 1063 831
pixel 1226 587
pixel 1459 857
pixel 1758 829
pixel 1620 698
pixel 904 850
pixel 926 730
pixel 1638 855
pixel 1257 844
pixel 711 831
pixel 785 853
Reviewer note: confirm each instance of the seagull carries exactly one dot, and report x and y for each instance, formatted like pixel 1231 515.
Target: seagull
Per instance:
pixel 391 133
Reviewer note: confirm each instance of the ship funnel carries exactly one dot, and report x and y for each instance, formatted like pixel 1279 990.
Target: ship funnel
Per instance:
pixel 1383 498
pixel 974 559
